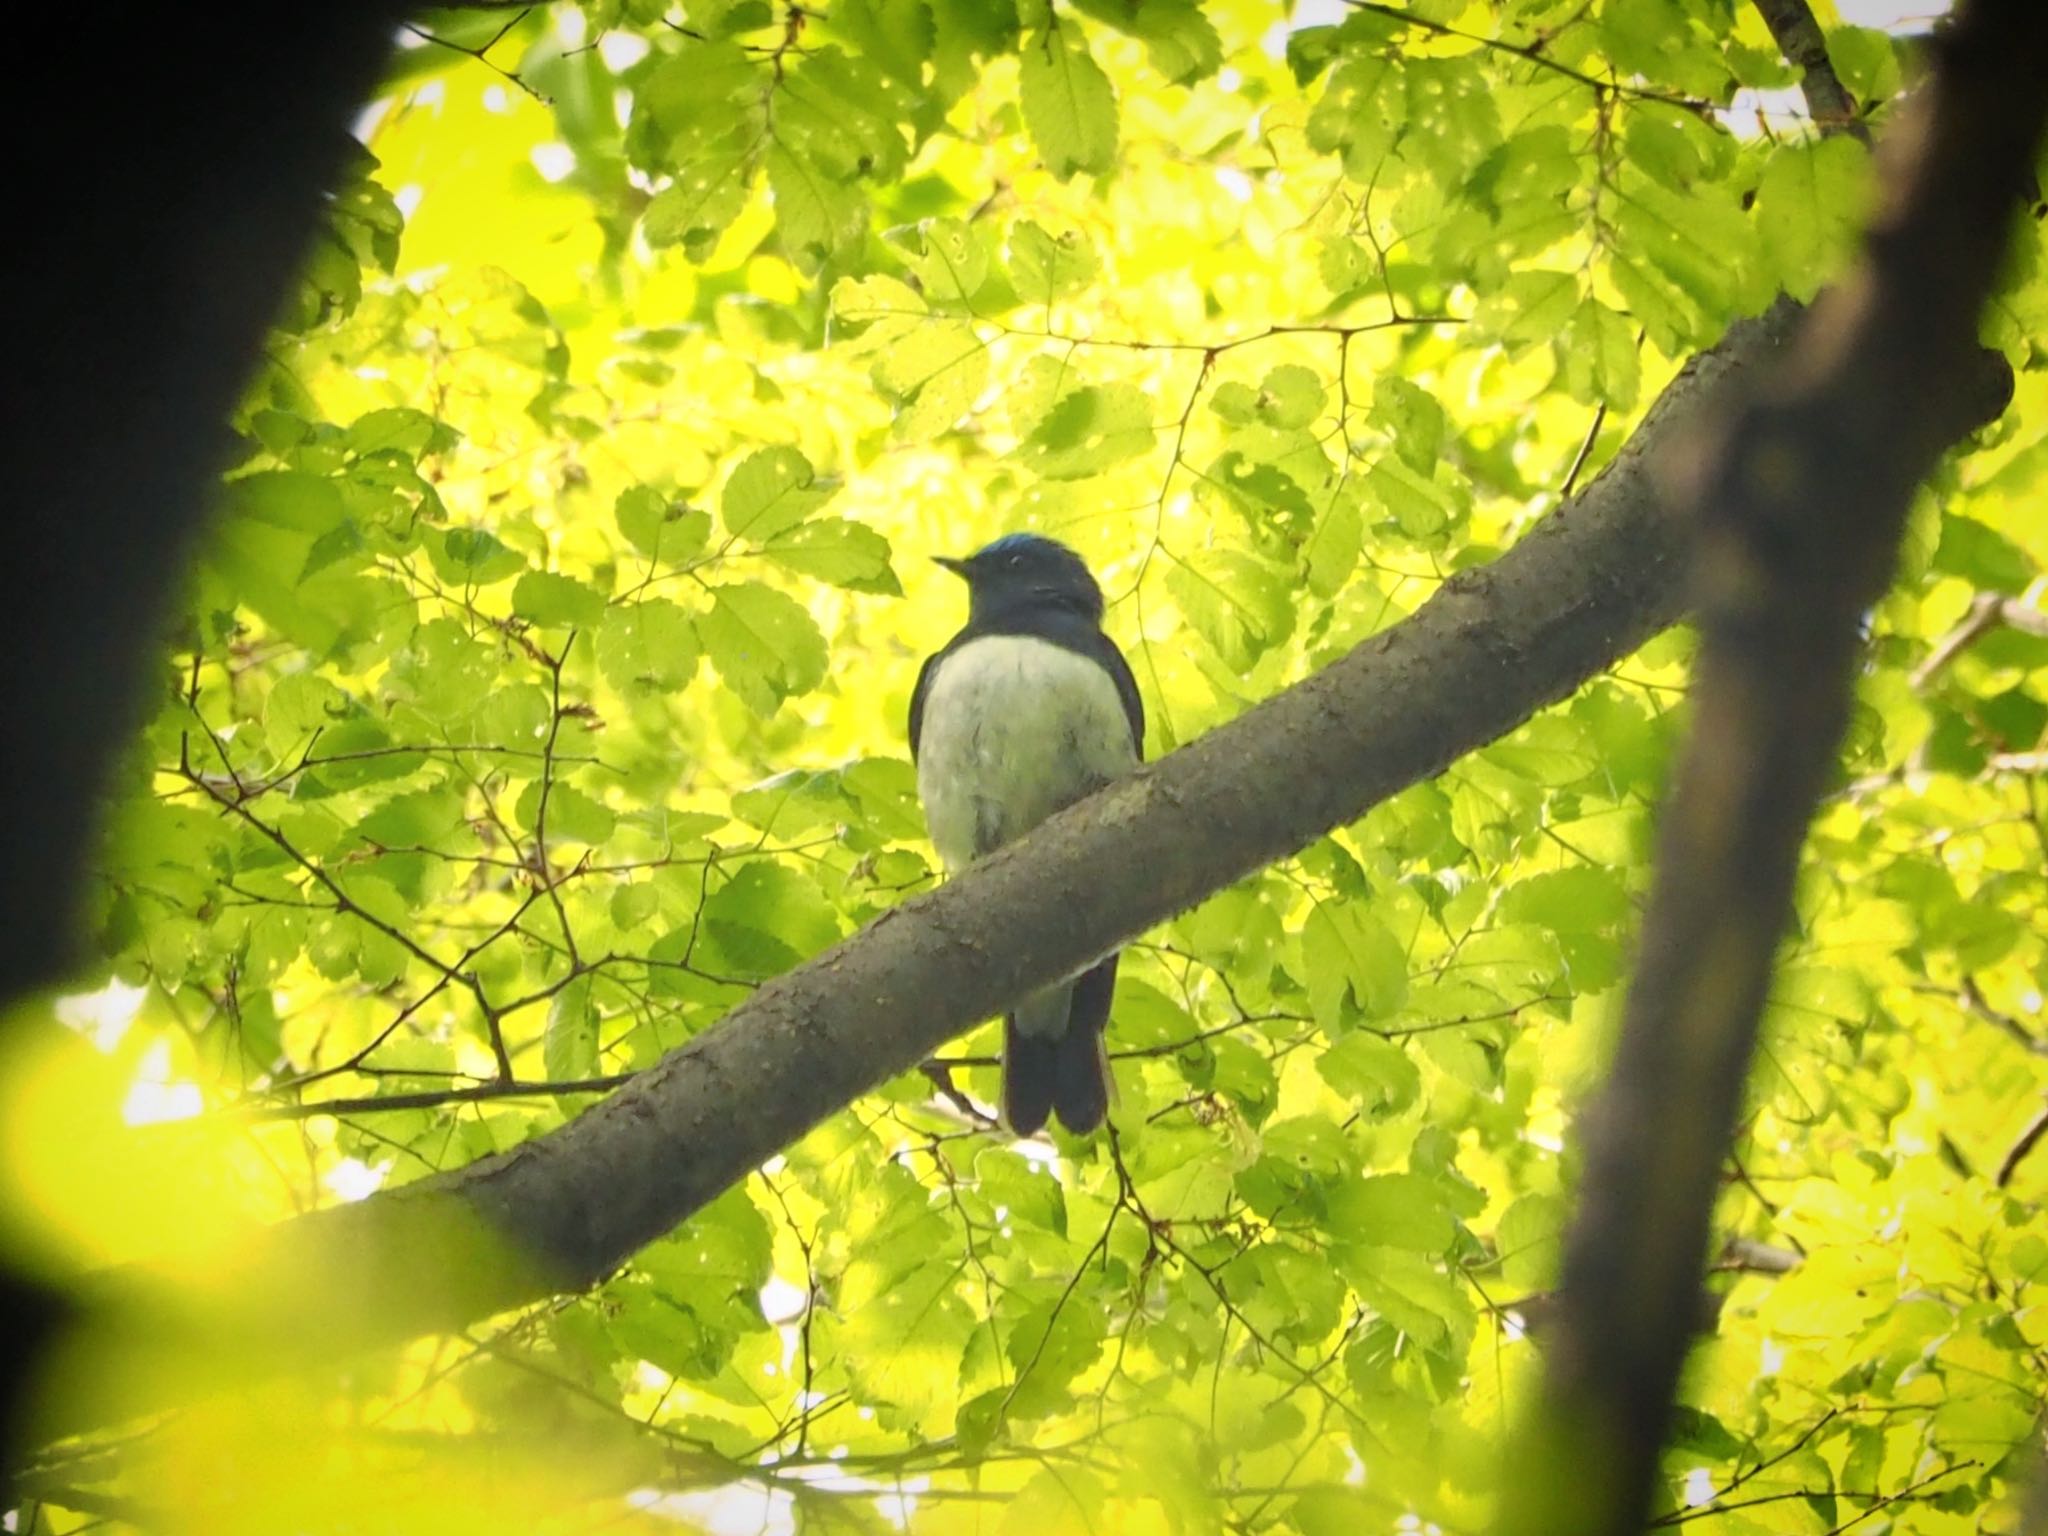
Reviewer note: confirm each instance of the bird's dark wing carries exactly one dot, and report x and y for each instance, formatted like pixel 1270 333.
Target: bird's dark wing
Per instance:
pixel 925 674
pixel 1104 651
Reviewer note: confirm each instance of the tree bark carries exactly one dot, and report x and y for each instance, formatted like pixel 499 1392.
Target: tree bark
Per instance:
pixel 151 239
pixel 1802 502
pixel 1587 587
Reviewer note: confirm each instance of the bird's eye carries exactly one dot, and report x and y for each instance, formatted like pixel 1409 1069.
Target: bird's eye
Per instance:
pixel 1014 561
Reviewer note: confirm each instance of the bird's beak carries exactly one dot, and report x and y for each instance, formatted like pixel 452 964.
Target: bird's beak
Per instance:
pixel 956 566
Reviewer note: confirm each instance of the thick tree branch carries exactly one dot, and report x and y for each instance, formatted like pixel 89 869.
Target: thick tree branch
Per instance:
pixel 1801 502
pixel 1587 587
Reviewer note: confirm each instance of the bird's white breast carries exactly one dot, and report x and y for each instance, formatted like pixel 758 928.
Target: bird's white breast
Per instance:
pixel 1014 729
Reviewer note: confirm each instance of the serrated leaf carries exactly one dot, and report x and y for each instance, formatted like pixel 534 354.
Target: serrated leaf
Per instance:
pixel 1088 430
pixel 1599 353
pixel 472 557
pixel 765 646
pixel 1045 267
pixel 767 918
pixel 836 550
pixel 572 816
pixel 1391 1210
pixel 1530 310
pixel 552 600
pixel 1352 963
pixel 700 204
pixel 1810 209
pixel 632 905
pixel 1413 418
pixel 569 1047
pixel 771 491
pixel 1372 1072
pixel 1240 605
pixel 936 371
pixel 1290 396
pixel 659 526
pixel 650 645
pixel 1069 105
pixel 1411 1293
pixel 816 213
pixel 951 259
pixel 1333 549
pixel 1179 39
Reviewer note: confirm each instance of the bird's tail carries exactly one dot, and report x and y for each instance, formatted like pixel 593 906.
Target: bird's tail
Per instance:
pixel 1053 1058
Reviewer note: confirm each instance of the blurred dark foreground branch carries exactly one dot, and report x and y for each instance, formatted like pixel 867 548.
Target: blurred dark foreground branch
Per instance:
pixel 1801 500
pixel 1599 577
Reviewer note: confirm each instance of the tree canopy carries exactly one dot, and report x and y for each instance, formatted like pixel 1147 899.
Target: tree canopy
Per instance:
pixel 538 699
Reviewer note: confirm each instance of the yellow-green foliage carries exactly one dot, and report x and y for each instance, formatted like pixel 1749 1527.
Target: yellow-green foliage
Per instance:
pixel 552 654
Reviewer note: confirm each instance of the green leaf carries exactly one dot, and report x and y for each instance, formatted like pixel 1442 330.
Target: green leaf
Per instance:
pixel 936 372
pixel 659 526
pixel 647 646
pixel 632 905
pixel 400 430
pixel 1392 1210
pixel 1421 508
pixel 765 646
pixel 1179 40
pixel 817 214
pixel 832 549
pixel 1550 750
pixel 1810 210
pixel 1290 396
pixel 770 492
pixel 1533 308
pixel 767 918
pixel 1412 417
pixel 1371 1072
pixel 472 557
pixel 950 259
pixel 695 208
pixel 1529 1242
pixel 569 1048
pixel 1068 103
pixel 1601 365
pixel 1045 267
pixel 1333 549
pixel 572 816
pixel 1022 1191
pixel 1981 555
pixel 554 601
pixel 1348 954
pixel 1088 430
pixel 1568 900
pixel 1239 604
pixel 1410 1292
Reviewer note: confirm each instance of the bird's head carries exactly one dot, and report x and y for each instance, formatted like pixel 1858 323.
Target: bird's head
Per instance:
pixel 1022 571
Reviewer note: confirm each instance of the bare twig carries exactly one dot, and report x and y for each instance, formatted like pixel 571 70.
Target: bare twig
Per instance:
pixel 431 1098
pixel 482 54
pixel 1987 611
pixel 2030 1138
pixel 1801 41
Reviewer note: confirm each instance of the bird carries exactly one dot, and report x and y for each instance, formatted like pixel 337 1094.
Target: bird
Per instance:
pixel 1029 708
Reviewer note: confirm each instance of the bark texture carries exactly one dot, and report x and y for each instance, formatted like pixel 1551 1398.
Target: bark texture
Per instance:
pixel 1588 586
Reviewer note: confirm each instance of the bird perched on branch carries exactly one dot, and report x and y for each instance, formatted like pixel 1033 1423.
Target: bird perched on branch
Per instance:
pixel 1029 708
